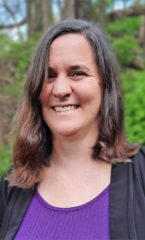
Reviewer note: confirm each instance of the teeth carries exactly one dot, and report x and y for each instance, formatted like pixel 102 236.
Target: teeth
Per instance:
pixel 63 109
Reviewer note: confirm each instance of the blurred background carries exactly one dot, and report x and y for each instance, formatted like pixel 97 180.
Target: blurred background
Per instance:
pixel 22 23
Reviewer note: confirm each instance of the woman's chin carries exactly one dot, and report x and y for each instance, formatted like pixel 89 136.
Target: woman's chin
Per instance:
pixel 66 131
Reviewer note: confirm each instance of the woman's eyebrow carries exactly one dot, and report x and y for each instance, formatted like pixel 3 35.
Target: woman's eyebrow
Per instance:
pixel 73 67
pixel 50 69
pixel 80 66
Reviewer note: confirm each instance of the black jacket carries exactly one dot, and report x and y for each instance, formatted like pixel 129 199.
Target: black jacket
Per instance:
pixel 127 202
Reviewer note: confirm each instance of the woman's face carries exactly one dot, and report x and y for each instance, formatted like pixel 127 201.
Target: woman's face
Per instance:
pixel 71 95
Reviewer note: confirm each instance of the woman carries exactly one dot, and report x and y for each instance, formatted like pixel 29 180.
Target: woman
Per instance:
pixel 64 183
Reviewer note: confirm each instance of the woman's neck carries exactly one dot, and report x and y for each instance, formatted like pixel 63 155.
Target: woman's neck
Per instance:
pixel 71 152
pixel 73 177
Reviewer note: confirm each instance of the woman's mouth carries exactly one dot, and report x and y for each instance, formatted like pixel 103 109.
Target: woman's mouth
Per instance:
pixel 65 108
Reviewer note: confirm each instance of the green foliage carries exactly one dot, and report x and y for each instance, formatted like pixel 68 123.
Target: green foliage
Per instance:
pixel 20 54
pixel 122 34
pixel 126 25
pixel 5 45
pixel 133 84
pixel 108 3
pixel 5 159
pixel 126 49
pixel 108 6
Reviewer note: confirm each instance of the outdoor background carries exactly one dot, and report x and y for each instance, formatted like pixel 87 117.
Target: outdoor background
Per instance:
pixel 22 22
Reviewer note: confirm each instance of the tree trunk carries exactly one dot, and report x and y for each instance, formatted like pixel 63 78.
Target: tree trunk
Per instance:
pixel 39 16
pixel 102 14
pixel 128 12
pixel 47 19
pixel 142 34
pixel 83 9
pixel 34 17
pixel 67 11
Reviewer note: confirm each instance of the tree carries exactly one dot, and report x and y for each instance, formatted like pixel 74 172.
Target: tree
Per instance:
pixel 142 35
pixel 12 14
pixel 47 15
pixel 66 9
pixel 102 13
pixel 136 10
pixel 33 19
pixel 83 9
pixel 39 16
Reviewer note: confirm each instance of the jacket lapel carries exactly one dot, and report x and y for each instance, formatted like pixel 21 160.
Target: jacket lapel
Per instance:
pixel 15 212
pixel 119 202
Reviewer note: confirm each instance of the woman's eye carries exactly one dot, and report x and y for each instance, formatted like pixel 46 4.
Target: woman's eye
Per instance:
pixel 51 75
pixel 78 74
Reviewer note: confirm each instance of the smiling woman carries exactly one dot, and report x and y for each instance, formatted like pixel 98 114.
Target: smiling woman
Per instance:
pixel 71 95
pixel 74 176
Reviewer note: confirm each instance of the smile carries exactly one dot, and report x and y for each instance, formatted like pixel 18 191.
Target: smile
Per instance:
pixel 65 108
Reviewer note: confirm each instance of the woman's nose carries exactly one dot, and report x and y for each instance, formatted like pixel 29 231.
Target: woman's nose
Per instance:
pixel 61 87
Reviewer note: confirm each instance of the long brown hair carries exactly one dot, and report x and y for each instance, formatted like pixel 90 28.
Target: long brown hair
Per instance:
pixel 33 143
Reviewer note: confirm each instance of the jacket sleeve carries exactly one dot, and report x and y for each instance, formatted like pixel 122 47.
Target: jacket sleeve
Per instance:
pixel 140 167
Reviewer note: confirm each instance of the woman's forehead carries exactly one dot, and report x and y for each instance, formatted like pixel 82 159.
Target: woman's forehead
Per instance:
pixel 71 40
pixel 72 48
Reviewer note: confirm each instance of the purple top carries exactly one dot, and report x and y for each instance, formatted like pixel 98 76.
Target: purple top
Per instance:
pixel 89 221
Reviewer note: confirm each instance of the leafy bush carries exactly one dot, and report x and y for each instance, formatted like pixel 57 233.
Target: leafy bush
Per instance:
pixel 5 45
pixel 126 25
pixel 20 54
pixel 133 84
pixel 126 49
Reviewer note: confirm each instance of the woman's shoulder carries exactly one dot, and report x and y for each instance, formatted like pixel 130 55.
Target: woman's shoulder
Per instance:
pixel 5 188
pixel 138 163
pixel 139 157
pixel 8 191
pixel 134 167
pixel 14 201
